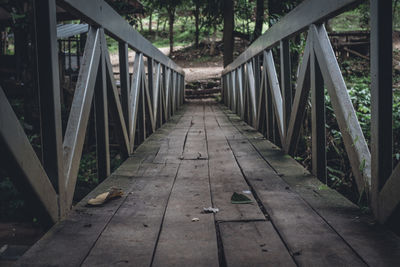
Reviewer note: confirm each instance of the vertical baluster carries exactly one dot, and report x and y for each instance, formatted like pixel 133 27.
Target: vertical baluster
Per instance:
pixel 270 108
pixel 48 79
pixel 381 97
pixel 318 120
pixel 101 114
pixel 286 86
pixel 124 81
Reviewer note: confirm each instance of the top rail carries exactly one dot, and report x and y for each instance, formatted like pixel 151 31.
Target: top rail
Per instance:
pixel 299 19
pixel 100 13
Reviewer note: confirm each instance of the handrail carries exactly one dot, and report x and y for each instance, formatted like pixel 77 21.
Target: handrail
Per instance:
pixel 99 13
pixel 296 21
pixel 250 88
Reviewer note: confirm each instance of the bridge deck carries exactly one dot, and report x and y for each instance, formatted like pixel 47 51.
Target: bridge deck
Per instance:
pixel 197 160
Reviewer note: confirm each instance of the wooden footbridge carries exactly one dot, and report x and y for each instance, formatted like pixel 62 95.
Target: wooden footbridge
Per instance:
pixel 182 158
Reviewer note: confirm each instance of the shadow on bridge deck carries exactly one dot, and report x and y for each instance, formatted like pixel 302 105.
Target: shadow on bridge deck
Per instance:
pixel 196 160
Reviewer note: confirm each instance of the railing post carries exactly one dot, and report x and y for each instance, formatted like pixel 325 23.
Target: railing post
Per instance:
pixel 381 98
pixel 269 109
pixel 101 118
pixel 48 82
pixel 150 77
pixel 318 120
pixel 124 80
pixel 286 86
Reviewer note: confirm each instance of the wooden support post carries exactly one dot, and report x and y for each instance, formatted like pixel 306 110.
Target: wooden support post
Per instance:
pixel 257 80
pixel 318 120
pixel 101 114
pixel 381 97
pixel 48 78
pixel 150 77
pixel 286 86
pixel 124 80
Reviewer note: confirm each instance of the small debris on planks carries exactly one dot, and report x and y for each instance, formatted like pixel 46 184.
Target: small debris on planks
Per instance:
pixel 240 199
pixel 105 197
pixel 210 210
pixel 195 219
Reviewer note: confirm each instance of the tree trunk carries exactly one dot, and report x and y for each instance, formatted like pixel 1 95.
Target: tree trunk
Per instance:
pixel 228 32
pixel 171 14
pixel 213 39
pixel 141 24
pixel 259 19
pixel 196 23
pixel 158 23
pixel 150 22
pixel 164 25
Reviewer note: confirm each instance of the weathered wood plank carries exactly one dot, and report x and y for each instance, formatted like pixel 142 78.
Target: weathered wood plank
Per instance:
pixel 381 101
pixel 253 244
pixel 389 197
pixel 131 235
pixel 299 102
pixel 69 241
pixel 276 93
pixel 226 178
pixel 353 137
pixel 318 132
pixel 79 114
pixel 375 245
pixel 183 242
pixel 299 225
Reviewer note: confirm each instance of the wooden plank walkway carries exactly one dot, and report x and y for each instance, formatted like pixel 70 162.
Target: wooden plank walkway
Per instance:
pixel 197 160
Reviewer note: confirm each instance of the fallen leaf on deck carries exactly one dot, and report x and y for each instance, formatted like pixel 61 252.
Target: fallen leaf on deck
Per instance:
pixel 240 199
pixel 104 197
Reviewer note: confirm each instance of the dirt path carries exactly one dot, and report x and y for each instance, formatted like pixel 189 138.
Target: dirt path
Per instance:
pixel 194 71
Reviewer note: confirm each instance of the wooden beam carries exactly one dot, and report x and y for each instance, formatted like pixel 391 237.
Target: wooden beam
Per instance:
pixel 241 92
pixel 381 99
pixel 16 146
pixel 157 109
pixel 48 79
pixel 124 80
pixel 101 118
pixel 276 94
pixel 300 101
pixel 148 101
pixel 252 94
pixel 286 85
pixel 318 135
pixel 353 137
pixel 389 197
pixel 118 110
pixel 80 109
pixel 134 97
pixel 168 92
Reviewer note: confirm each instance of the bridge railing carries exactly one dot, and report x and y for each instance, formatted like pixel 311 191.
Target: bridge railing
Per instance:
pixel 251 89
pixel 144 102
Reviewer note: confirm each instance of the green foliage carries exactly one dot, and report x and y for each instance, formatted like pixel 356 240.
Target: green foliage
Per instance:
pixel 88 169
pixel 11 200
